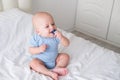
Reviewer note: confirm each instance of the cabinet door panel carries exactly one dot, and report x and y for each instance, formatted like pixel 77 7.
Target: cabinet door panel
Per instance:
pixel 114 29
pixel 93 16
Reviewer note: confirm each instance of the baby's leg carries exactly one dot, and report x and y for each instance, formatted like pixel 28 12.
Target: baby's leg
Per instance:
pixel 38 66
pixel 61 64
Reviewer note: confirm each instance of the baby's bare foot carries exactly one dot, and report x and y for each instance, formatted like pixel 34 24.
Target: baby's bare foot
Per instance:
pixel 60 71
pixel 53 75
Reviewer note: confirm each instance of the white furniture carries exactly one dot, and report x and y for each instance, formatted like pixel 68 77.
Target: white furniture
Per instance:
pixel 25 5
pixel 100 19
pixel 114 29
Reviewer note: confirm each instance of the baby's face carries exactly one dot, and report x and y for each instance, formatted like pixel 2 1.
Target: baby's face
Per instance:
pixel 44 25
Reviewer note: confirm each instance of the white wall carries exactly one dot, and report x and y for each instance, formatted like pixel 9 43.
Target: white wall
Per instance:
pixel 63 11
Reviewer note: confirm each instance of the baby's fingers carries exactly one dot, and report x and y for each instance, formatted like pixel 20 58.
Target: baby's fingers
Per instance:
pixel 43 47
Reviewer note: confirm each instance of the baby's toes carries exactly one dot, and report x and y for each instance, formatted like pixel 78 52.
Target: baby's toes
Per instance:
pixel 54 76
pixel 65 71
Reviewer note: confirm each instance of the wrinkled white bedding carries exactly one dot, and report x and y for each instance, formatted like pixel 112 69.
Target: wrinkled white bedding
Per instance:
pixel 88 60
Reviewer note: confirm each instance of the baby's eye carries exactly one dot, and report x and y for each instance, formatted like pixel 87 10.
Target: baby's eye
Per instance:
pixel 47 27
pixel 53 24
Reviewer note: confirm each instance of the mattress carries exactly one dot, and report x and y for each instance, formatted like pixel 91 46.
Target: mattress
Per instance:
pixel 88 61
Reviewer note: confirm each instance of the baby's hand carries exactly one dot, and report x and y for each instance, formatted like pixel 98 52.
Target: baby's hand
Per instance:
pixel 58 34
pixel 43 47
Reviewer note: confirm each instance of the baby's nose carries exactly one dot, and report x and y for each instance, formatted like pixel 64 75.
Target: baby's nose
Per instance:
pixel 51 27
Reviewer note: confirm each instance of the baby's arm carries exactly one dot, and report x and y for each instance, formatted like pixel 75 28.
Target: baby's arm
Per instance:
pixel 37 50
pixel 65 42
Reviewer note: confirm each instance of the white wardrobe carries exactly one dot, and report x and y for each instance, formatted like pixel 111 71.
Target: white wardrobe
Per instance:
pixel 99 18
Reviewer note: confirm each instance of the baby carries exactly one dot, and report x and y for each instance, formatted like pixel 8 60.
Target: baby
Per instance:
pixel 44 47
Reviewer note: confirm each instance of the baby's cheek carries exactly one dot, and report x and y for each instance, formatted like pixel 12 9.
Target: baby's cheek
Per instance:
pixel 45 31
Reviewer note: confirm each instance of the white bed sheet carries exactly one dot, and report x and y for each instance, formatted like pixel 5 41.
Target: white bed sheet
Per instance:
pixel 88 60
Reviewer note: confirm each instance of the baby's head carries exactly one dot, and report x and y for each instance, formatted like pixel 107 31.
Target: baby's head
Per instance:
pixel 44 24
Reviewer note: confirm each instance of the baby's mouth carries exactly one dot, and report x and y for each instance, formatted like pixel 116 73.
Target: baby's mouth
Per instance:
pixel 53 31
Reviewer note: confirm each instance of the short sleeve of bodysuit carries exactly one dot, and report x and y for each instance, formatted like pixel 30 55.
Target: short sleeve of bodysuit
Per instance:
pixel 35 41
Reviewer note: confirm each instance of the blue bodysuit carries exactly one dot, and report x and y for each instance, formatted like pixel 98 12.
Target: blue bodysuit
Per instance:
pixel 50 54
